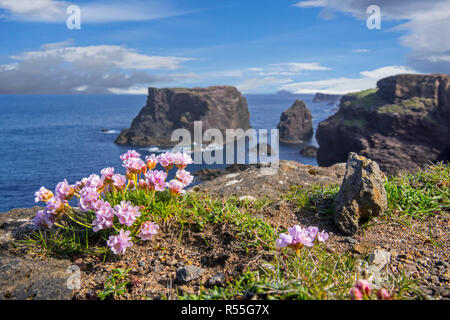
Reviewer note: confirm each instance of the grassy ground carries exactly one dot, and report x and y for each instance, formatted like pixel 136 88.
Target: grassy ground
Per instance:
pixel 320 272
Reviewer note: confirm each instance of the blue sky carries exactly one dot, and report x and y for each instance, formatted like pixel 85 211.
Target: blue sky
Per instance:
pixel 258 46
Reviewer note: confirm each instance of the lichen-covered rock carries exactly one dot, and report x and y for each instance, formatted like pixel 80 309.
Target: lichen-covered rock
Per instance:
pixel 219 107
pixel 362 194
pixel 296 123
pixel 402 125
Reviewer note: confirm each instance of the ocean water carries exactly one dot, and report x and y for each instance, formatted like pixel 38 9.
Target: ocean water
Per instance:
pixel 46 138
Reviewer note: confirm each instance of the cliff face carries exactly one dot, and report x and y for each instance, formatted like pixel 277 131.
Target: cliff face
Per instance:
pixel 296 123
pixel 221 107
pixel 402 124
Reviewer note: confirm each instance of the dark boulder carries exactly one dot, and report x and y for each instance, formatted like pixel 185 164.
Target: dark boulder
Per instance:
pixel 295 124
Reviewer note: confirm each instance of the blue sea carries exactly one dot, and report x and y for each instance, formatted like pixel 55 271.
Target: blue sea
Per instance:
pixel 46 138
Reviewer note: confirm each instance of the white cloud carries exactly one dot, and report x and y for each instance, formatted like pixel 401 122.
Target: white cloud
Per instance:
pixel 54 11
pixel 367 80
pixel 361 50
pixel 57 68
pixel 256 84
pixel 426 27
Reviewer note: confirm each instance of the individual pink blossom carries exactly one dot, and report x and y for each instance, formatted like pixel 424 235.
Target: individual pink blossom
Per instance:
pixel 151 162
pixel 120 243
pixel 284 240
pixel 64 190
pixel 130 154
pixel 299 237
pixel 166 160
pixel 382 294
pixel 127 213
pixel 363 286
pixel 43 195
pixel 184 177
pixel 88 197
pixel 156 180
pixel 134 165
pixel 94 181
pixel 107 174
pixel 148 229
pixel 322 236
pixel 55 205
pixel 181 160
pixel 176 187
pixel 119 181
pixel 44 218
pixel 356 294
pixel 104 215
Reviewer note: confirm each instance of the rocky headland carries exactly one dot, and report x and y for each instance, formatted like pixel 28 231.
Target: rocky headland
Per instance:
pixel 324 97
pixel 219 107
pixel 295 123
pixel 402 124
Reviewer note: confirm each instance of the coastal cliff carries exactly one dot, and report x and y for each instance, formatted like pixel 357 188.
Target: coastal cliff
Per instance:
pixel 220 107
pixel 402 124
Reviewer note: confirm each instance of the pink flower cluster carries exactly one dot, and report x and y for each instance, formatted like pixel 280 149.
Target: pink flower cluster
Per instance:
pixel 299 237
pixel 362 291
pixel 92 191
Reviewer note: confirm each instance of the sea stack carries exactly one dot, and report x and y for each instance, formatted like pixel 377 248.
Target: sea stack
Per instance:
pixel 219 107
pixel 296 124
pixel 402 124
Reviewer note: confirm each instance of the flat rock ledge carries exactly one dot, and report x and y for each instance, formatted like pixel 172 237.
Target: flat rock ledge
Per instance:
pixel 23 277
pixel 256 182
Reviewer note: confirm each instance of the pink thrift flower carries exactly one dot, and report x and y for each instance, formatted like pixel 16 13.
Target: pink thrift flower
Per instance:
pixel 94 181
pixel 166 160
pixel 184 177
pixel 284 240
pixel 322 236
pixel 107 174
pixel 119 181
pixel 382 294
pixel 43 195
pixel 363 286
pixel 88 197
pixel 151 162
pixel 301 236
pixel 121 242
pixel 181 160
pixel 156 180
pixel 356 294
pixel 104 216
pixel 127 213
pixel 176 187
pixel 148 229
pixel 43 218
pixel 130 154
pixel 55 205
pixel 134 165
pixel 64 190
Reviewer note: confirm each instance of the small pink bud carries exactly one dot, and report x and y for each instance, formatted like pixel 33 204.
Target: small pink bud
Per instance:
pixel 356 294
pixel 363 286
pixel 382 294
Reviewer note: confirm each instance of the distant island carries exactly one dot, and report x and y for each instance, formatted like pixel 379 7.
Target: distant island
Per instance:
pixel 284 92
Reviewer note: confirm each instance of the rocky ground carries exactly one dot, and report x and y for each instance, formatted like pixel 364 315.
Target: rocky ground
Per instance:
pixel 184 261
pixel 258 181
